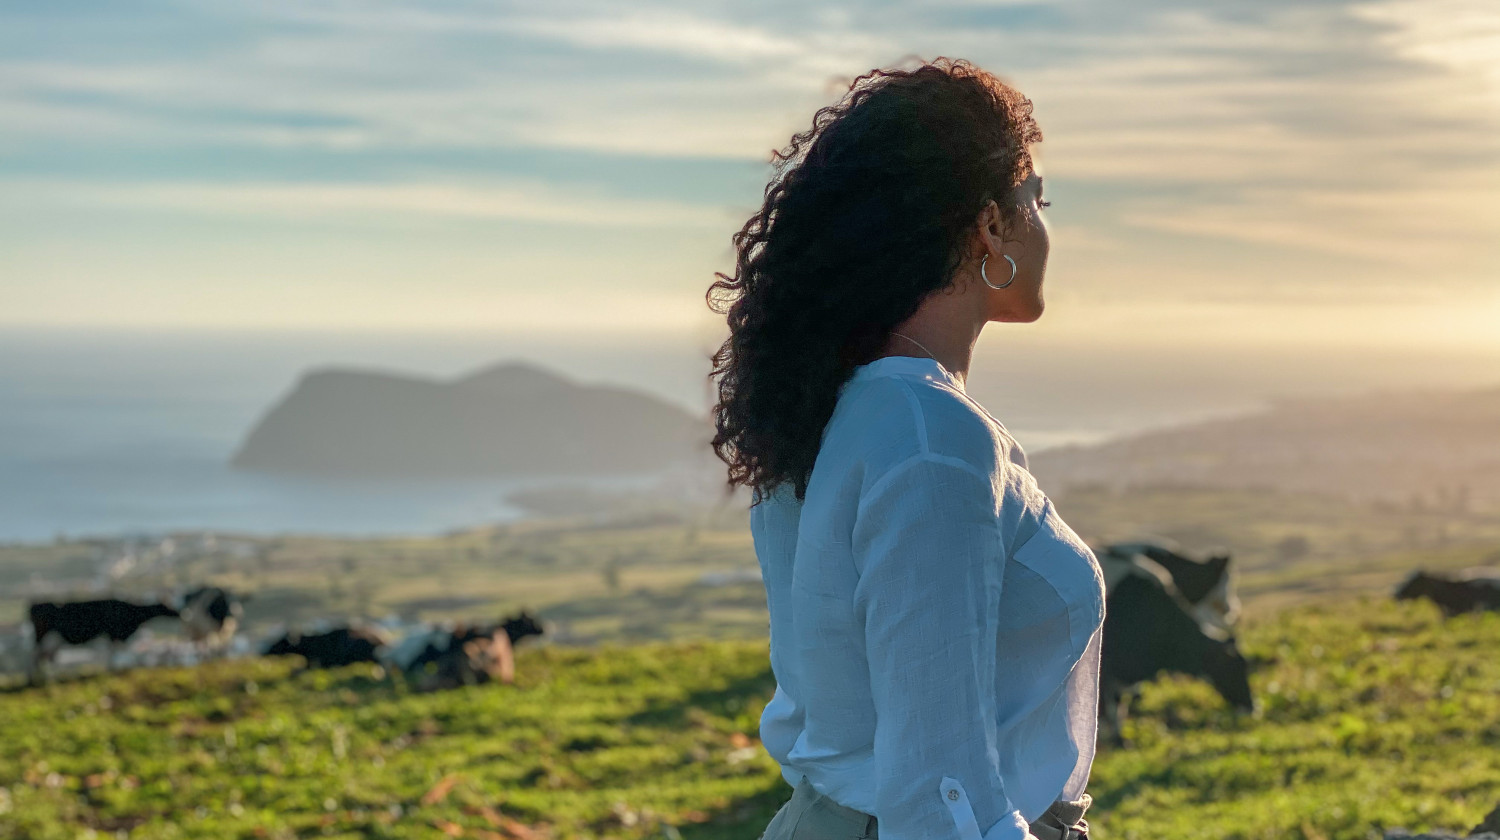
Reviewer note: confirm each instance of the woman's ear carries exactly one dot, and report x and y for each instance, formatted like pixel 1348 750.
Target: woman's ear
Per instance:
pixel 991 220
pixel 993 227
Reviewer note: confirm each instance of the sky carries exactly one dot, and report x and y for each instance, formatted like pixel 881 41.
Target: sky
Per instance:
pixel 1269 171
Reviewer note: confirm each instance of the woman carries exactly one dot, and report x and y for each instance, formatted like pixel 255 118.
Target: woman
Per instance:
pixel 934 624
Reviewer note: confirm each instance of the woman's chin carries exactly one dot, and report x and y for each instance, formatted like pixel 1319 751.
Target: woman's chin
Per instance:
pixel 1022 313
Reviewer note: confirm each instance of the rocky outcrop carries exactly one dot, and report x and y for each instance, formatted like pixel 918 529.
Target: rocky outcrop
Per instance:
pixel 508 420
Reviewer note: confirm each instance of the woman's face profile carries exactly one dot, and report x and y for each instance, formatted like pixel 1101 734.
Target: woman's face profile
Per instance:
pixel 1024 239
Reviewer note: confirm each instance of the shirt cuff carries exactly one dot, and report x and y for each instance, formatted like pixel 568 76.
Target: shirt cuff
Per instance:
pixel 1011 827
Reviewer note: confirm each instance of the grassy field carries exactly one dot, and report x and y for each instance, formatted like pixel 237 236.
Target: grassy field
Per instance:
pixel 1374 714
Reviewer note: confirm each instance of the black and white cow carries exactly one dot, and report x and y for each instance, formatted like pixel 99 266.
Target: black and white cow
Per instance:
pixel 210 616
pixel 463 655
pixel 334 648
pixel 78 622
pixel 1149 629
pixel 1470 591
pixel 1208 585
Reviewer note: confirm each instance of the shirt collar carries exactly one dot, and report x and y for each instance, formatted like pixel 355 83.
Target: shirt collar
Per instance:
pixel 919 366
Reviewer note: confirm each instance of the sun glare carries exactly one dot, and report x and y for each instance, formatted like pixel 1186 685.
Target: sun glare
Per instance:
pixel 1460 35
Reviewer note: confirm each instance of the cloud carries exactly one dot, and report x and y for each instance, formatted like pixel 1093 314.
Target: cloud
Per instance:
pixel 1462 36
pixel 525 202
pixel 1440 228
pixel 1180 137
pixel 672 33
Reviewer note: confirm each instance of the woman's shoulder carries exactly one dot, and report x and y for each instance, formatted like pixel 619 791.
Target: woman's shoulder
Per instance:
pixel 901 417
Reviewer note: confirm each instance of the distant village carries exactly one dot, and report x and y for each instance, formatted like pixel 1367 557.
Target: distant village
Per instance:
pixel 172 569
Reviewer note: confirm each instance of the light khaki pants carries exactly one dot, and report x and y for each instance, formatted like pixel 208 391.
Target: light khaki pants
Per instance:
pixel 810 815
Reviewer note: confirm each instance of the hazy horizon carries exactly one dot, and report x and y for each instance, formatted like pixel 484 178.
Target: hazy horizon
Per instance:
pixel 199 202
pixel 110 431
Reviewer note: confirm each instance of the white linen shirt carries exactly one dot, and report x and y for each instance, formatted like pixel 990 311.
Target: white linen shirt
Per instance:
pixel 935 625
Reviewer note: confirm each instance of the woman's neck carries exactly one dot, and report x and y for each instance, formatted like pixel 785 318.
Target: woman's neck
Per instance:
pixel 941 331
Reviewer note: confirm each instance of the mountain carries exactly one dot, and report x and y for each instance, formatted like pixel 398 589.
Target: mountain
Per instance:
pixel 511 419
pixel 1437 446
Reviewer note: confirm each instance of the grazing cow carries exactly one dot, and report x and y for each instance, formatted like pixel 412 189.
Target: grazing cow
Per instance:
pixel 210 615
pixel 75 623
pixel 469 658
pixel 465 655
pixel 1148 629
pixel 335 648
pixel 1471 592
pixel 1207 585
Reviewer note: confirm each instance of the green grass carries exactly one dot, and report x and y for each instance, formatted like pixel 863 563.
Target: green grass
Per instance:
pixel 1373 715
pixel 611 742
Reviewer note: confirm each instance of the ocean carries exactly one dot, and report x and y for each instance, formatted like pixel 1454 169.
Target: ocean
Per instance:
pixel 118 433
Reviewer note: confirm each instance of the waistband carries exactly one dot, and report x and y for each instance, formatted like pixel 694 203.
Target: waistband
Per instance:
pixel 1063 819
pixel 858 823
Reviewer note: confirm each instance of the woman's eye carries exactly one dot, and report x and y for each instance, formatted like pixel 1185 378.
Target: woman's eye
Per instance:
pixel 1044 204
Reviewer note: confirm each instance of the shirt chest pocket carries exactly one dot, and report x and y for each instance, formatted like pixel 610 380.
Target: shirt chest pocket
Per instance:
pixel 1059 561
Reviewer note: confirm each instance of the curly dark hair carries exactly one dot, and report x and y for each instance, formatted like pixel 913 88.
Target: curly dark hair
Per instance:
pixel 868 212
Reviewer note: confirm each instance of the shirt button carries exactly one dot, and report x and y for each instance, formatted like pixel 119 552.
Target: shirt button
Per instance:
pixel 952 796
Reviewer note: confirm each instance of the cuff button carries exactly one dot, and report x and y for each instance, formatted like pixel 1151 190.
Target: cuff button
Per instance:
pixel 952 796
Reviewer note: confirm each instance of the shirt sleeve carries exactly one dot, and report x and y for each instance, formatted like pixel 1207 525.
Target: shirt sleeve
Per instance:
pixel 928 551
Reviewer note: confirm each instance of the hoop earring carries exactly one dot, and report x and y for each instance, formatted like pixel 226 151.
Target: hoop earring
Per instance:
pixel 986 278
